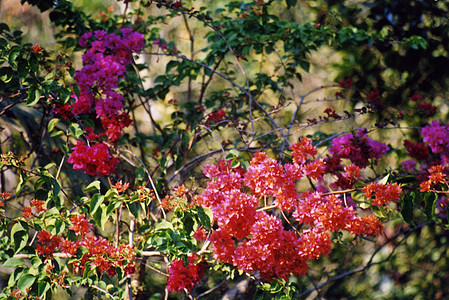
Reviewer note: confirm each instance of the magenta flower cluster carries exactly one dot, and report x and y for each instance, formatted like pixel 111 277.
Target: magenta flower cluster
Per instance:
pixel 437 136
pixel 358 149
pixel 105 63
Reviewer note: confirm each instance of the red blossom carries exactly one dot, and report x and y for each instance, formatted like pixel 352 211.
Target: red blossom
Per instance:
pixel 47 243
pixel 303 150
pixel 368 225
pixel 382 194
pixel 94 159
pixel 418 151
pixel 426 108
pixel 26 211
pixel 36 48
pixel 216 116
pixel 415 97
pixel 38 204
pixel 63 110
pixel 437 175
pixel 185 277
pixel 80 225
pixel 200 234
pixel 374 97
pixel 346 83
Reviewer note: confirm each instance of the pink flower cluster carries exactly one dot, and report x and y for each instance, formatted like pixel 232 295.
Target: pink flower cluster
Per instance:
pixel 94 159
pixel 254 240
pixel 105 62
pixel 185 277
pixel 358 149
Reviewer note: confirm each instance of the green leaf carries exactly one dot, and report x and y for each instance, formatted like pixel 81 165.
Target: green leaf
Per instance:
pixel 25 282
pixel 6 74
pixel 13 262
pixel 34 63
pixel 408 207
pixel 134 208
pixel 100 216
pixel 34 95
pixel 379 211
pixel 93 186
pixel 51 125
pixel 13 55
pixel 384 180
pixel 20 237
pixel 43 287
pixel 163 224
pixel 23 178
pixel 95 203
pixel 113 205
pixel 204 217
pixel 430 200
pixel 75 130
pixel 233 154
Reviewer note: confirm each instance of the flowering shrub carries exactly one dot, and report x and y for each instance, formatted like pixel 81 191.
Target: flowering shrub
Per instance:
pixel 121 180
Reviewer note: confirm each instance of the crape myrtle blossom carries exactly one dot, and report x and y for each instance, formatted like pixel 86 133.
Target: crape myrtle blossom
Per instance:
pixel 254 240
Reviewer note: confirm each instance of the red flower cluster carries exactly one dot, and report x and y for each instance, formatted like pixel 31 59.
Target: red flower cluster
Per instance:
pixel 215 117
pixel 80 225
pixel 94 159
pixel 437 175
pixel 252 239
pixel 47 243
pixel 382 193
pixel 418 151
pixel 374 97
pixel 100 253
pixel 185 277
pixel 346 83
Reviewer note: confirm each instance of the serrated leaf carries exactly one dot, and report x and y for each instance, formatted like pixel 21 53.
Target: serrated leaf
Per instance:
pixel 13 262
